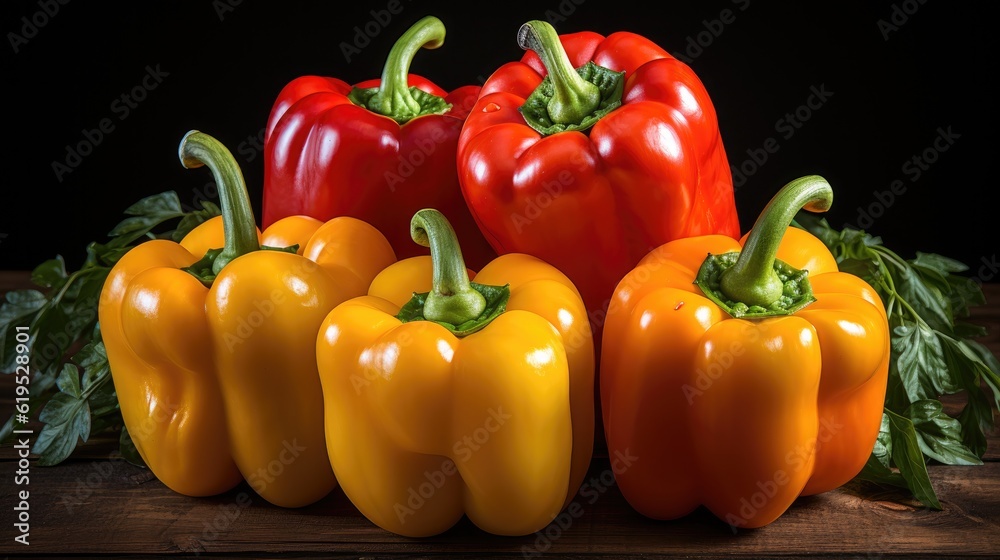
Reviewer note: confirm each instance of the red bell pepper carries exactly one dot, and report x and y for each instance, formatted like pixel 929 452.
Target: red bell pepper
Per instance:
pixel 378 151
pixel 591 151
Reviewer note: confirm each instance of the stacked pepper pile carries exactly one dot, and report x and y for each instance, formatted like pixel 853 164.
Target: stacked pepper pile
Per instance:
pixel 588 187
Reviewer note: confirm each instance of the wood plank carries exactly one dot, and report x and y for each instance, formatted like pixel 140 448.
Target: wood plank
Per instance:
pixel 132 512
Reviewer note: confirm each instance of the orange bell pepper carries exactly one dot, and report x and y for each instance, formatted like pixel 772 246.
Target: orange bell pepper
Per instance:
pixel 746 379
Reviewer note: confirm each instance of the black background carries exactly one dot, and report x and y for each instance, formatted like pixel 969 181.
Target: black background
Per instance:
pixel 892 88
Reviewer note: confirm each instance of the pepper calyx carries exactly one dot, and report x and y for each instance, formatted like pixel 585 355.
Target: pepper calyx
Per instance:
pixel 394 98
pixel 796 292
pixel 203 268
pixel 496 303
pixel 535 109
pixel 429 104
pixel 454 302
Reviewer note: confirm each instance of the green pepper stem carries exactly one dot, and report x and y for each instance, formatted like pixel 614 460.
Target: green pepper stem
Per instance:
pixel 452 298
pixel 753 280
pixel 573 97
pixel 393 96
pixel 239 226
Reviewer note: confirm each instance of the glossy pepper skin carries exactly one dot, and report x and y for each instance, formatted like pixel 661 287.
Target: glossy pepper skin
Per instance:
pixel 379 161
pixel 219 384
pixel 425 425
pixel 742 415
pixel 650 171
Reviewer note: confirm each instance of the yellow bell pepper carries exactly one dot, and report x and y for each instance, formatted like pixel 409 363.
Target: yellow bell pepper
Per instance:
pixel 213 358
pixel 745 379
pixel 446 397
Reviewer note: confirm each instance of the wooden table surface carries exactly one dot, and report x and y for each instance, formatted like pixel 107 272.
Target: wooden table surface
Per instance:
pixel 97 504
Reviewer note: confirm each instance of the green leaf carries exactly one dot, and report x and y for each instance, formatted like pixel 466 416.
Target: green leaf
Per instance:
pixel 98 384
pixel 936 280
pixel 964 294
pixel 55 330
pixel 878 469
pixel 19 303
pixel 202 269
pixel 939 435
pixel 128 450
pixel 59 322
pixel 909 459
pixel 50 274
pixel 920 361
pixel 54 444
pixel 973 361
pixel 19 309
pixel 990 371
pixel 866 269
pixel 969 330
pixel 937 271
pixel 93 358
pixel 961 361
pixel 103 402
pixel 90 284
pixel 927 300
pixel 110 256
pixel 163 203
pixel 882 450
pixel 976 420
pixel 137 224
pixel 66 420
pixel 859 245
pixel 854 249
pixel 896 397
pixel 69 380
pixel 67 415
pixel 106 423
pixel 61 409
pixel 144 216
pixel 81 423
pixel 57 441
pixel 875 471
pixel 933 261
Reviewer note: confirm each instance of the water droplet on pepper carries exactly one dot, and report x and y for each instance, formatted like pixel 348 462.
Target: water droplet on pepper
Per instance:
pixel 491 108
pixel 678 306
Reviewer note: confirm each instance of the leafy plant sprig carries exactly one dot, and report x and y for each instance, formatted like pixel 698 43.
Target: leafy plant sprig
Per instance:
pixel 70 377
pixel 933 353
